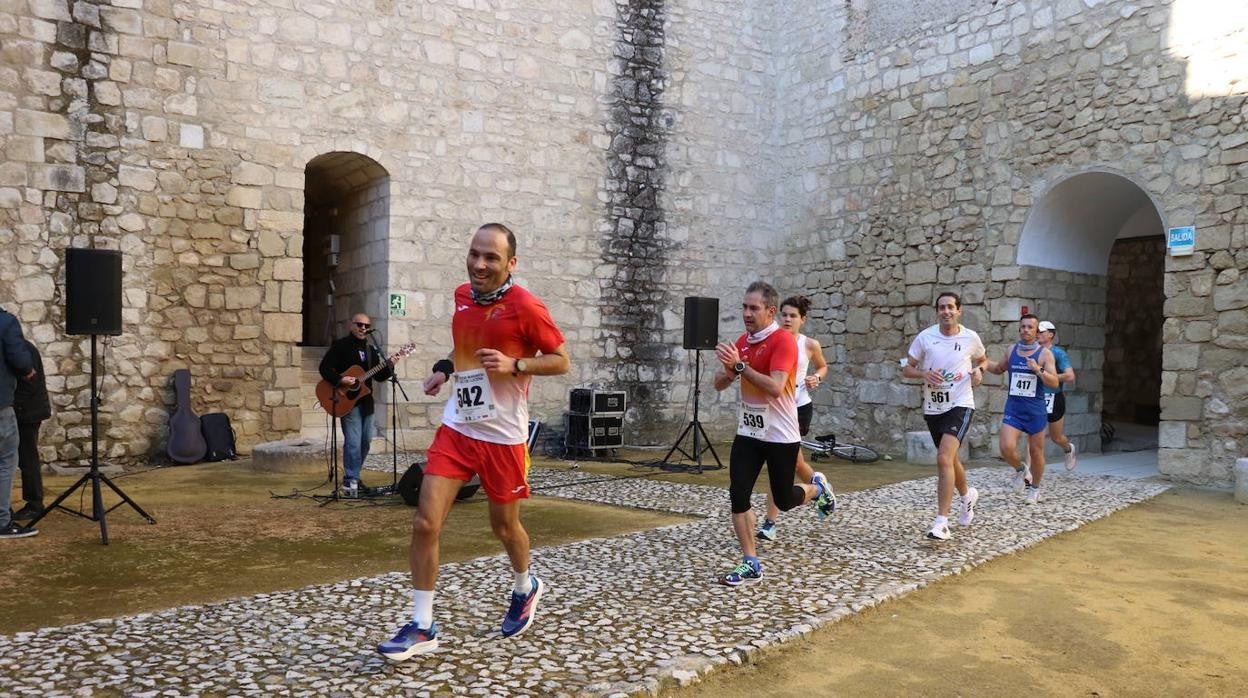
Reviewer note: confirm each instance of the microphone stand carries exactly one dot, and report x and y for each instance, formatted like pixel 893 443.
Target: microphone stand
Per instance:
pixel 396 387
pixel 333 448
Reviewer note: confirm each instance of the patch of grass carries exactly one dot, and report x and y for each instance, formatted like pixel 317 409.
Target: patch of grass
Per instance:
pixel 221 535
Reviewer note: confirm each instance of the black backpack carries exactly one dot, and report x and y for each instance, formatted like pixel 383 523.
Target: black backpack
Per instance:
pixel 219 436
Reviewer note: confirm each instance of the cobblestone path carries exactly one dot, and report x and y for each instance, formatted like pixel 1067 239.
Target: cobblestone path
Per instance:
pixel 621 615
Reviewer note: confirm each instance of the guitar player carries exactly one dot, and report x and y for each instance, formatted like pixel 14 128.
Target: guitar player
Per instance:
pixel 357 425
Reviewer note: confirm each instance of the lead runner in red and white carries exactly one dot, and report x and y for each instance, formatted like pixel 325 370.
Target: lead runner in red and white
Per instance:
pixel 503 336
pixel 765 359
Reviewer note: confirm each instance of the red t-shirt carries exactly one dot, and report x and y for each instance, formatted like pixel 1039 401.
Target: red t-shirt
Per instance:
pixel 761 416
pixel 488 405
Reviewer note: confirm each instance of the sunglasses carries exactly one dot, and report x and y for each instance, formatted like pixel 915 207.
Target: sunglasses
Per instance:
pixel 365 325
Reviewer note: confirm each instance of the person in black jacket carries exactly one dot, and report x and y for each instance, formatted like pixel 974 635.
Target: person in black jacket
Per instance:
pixel 357 425
pixel 16 364
pixel 31 405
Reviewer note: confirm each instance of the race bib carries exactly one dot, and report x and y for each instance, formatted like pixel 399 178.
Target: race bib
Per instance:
pixel 938 399
pixel 1049 399
pixel 474 401
pixel 1023 384
pixel 752 420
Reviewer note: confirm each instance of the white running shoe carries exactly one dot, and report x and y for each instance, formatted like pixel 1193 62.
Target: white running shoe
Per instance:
pixel 1072 461
pixel 1032 496
pixel 940 530
pixel 1020 479
pixel 968 506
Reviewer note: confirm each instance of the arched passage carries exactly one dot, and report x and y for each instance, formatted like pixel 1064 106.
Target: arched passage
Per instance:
pixel 1106 233
pixel 1075 225
pixel 346 229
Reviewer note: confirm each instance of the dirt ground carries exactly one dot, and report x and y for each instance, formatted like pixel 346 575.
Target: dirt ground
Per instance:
pixel 1150 601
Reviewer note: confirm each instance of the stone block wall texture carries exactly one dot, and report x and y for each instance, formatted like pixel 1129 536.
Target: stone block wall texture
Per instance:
pixel 179 132
pixel 643 150
pixel 912 166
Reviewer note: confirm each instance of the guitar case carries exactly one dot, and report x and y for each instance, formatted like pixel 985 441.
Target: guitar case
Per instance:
pixel 218 436
pixel 186 439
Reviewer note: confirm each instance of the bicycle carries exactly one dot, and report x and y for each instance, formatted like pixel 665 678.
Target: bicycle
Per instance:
pixel 824 446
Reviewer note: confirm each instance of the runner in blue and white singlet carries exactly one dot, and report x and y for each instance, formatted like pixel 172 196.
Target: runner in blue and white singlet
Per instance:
pixel 1024 401
pixel 1028 365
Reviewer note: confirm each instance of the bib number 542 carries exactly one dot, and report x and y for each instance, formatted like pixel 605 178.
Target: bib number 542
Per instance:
pixel 468 396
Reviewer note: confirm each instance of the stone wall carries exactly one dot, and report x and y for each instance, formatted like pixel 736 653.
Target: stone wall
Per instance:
pixel 1133 331
pixel 940 144
pixel 180 132
pixel 643 151
pixel 715 118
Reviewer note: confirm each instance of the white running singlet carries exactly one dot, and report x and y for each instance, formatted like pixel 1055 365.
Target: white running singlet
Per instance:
pixel 952 356
pixel 803 365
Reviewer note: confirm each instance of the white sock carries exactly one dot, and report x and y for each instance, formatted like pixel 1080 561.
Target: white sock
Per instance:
pixel 422 608
pixel 940 521
pixel 524 583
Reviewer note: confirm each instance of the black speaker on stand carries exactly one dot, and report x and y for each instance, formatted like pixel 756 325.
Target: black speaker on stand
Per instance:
pixel 93 307
pixel 701 332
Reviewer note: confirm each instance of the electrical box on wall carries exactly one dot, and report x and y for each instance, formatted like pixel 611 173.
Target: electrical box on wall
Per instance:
pixel 330 245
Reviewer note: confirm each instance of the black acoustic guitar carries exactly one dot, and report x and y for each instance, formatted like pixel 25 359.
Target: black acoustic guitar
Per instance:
pixel 186 439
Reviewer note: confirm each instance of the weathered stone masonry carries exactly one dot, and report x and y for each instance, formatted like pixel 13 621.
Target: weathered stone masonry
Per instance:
pixel 915 166
pixel 636 250
pixel 866 157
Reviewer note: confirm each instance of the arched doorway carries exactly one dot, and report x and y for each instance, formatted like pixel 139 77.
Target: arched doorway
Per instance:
pixel 1103 235
pixel 346 227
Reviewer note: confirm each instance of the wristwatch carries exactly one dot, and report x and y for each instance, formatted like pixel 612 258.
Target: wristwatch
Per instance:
pixel 520 366
pixel 738 368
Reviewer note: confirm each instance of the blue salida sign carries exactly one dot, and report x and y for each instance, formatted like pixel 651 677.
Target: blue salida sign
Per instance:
pixel 1181 240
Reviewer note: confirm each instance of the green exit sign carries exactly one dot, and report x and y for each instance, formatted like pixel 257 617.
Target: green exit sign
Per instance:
pixel 398 304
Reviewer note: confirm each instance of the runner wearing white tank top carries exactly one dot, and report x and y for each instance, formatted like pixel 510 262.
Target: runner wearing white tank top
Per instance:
pixel 793 313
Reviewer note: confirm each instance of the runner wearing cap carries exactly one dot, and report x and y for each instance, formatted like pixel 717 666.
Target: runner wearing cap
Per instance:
pixel 1054 398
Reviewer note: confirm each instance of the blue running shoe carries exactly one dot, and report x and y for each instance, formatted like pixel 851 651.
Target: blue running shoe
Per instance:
pixel 522 610
pixel 409 642
pixel 825 501
pixel 741 574
pixel 767 531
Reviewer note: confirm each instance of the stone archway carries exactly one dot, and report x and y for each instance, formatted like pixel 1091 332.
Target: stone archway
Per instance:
pixel 346 230
pixel 1102 237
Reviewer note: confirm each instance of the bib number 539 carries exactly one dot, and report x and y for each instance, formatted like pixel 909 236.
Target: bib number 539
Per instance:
pixel 752 421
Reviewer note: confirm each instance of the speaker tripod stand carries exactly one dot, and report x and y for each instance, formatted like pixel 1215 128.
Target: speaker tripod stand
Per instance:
pixel 701 442
pixel 94 476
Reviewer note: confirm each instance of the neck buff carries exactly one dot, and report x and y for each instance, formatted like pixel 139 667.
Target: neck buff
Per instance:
pixel 493 296
pixel 762 334
pixel 1027 347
